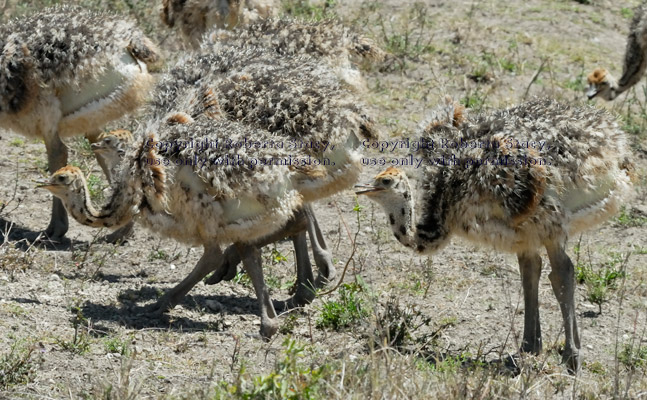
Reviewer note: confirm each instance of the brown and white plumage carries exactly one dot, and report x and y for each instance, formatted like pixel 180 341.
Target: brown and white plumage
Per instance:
pixel 298 98
pixel 600 81
pixel 211 194
pixel 327 41
pixel 516 199
pixel 66 71
pixel 195 17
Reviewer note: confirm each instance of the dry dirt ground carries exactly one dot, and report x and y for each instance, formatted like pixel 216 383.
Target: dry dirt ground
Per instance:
pixel 70 324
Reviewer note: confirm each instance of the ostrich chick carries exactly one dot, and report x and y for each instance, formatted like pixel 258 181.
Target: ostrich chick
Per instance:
pixel 195 17
pixel 193 204
pixel 299 99
pixel 497 192
pixel 334 44
pixel 67 71
pixel 112 148
pixel 600 81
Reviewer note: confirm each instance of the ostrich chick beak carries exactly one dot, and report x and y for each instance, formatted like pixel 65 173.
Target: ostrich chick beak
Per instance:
pixel 366 188
pixel 592 91
pixel 45 184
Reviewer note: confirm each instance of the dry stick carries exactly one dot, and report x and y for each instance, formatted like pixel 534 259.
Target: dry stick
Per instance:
pixel 534 77
pixel 616 380
pixel 350 258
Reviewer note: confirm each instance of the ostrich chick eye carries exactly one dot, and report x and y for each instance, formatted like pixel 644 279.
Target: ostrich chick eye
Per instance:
pixel 387 181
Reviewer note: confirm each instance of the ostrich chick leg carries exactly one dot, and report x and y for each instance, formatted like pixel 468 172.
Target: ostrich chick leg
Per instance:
pixel 56 158
pixel 213 260
pixel 562 278
pixel 530 268
pixel 322 256
pixel 253 264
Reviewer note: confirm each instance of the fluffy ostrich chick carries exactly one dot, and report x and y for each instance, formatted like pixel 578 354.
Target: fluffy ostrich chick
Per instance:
pixel 67 71
pixel 600 81
pixel 513 198
pixel 195 17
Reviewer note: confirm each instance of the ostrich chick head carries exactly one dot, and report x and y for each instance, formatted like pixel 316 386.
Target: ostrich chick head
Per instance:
pixel 602 84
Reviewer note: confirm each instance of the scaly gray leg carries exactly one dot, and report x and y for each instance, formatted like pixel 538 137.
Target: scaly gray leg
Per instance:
pixel 56 158
pixel 211 259
pixel 121 234
pixel 253 264
pixel 305 291
pixel 562 277
pixel 530 268
pixel 323 258
pixel 305 219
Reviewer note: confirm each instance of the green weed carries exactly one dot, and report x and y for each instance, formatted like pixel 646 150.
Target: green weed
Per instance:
pixel 290 379
pixel 116 345
pixel 18 366
pixel 80 343
pixel 304 10
pixel 633 357
pixel 599 281
pixel 350 309
pixel 627 13
pixel 628 219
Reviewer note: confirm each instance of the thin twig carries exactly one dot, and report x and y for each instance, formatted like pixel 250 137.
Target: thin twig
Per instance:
pixel 535 76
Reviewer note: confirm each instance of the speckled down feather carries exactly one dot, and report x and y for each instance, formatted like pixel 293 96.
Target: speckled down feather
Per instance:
pixel 575 183
pixel 195 17
pixel 289 37
pixel 297 97
pixel 61 45
pixel 228 169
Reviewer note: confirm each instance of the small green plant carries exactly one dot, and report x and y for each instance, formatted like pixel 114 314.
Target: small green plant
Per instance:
pixel 17 366
pixel 508 65
pixel 600 280
pixel 304 10
pixel 116 345
pixel 14 260
pixel 408 38
pixel 629 220
pixel 158 254
pixel 290 379
pixel 17 142
pixel 288 325
pixel 474 99
pixel 397 326
pixel 80 343
pixel 633 357
pixel 627 12
pixel 349 310
pixel 95 188
pixel 242 278
pixel 277 257
pixel 595 367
